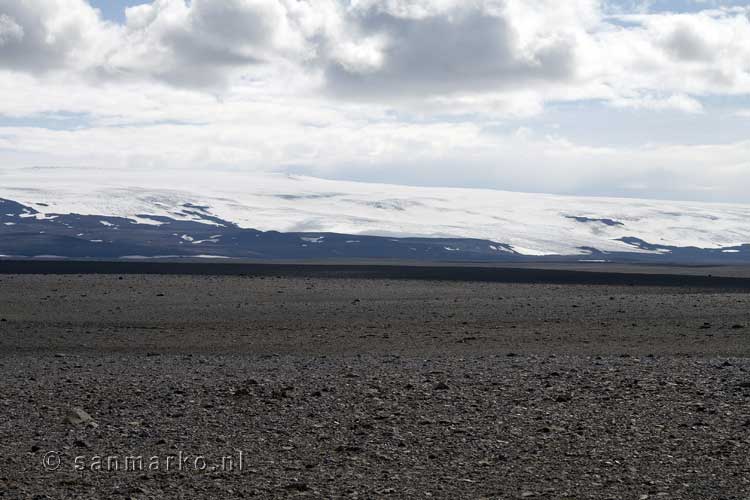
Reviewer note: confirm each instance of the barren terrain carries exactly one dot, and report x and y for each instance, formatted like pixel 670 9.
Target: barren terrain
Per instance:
pixel 343 387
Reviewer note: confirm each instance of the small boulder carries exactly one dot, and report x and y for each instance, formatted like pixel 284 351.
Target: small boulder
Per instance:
pixel 80 443
pixel 77 416
pixel 297 486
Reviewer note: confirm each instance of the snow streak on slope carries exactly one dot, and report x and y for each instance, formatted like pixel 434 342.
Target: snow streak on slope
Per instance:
pixel 534 224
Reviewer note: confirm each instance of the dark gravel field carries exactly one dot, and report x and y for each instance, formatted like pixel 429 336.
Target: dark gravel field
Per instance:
pixel 152 386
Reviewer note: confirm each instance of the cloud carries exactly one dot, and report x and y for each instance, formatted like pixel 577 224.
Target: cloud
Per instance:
pixel 418 48
pixel 10 31
pixel 200 44
pixel 38 35
pixel 59 40
pixel 701 54
pixel 678 102
pixel 452 92
pixel 197 45
pixel 370 50
pixel 686 44
pixel 457 154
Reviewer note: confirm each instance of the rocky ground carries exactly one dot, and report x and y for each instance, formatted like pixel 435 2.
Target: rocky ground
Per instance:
pixel 338 388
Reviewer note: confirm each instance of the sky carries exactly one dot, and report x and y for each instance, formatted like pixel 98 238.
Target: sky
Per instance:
pixel 629 98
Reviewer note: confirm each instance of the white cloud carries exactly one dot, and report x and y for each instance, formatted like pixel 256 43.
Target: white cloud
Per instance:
pixel 385 49
pixel 197 45
pixel 438 48
pixel 390 90
pixel 700 54
pixel 679 102
pixel 342 143
pixel 10 31
pixel 61 37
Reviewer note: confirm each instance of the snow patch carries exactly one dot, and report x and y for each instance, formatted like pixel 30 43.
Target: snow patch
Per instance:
pixel 37 216
pixel 531 251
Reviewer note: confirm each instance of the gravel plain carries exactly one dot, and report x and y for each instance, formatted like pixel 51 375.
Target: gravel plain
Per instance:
pixel 277 387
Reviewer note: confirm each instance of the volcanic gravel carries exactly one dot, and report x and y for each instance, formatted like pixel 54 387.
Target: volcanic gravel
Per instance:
pixel 341 388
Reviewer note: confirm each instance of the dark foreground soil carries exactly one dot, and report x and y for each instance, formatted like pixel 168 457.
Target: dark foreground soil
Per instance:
pixel 250 387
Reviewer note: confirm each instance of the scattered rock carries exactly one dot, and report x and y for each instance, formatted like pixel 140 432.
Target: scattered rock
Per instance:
pixel 279 393
pixel 348 449
pixel 80 443
pixel 297 486
pixel 77 416
pixel 341 420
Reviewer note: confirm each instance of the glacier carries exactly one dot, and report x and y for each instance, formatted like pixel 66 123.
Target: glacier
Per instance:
pixel 531 224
